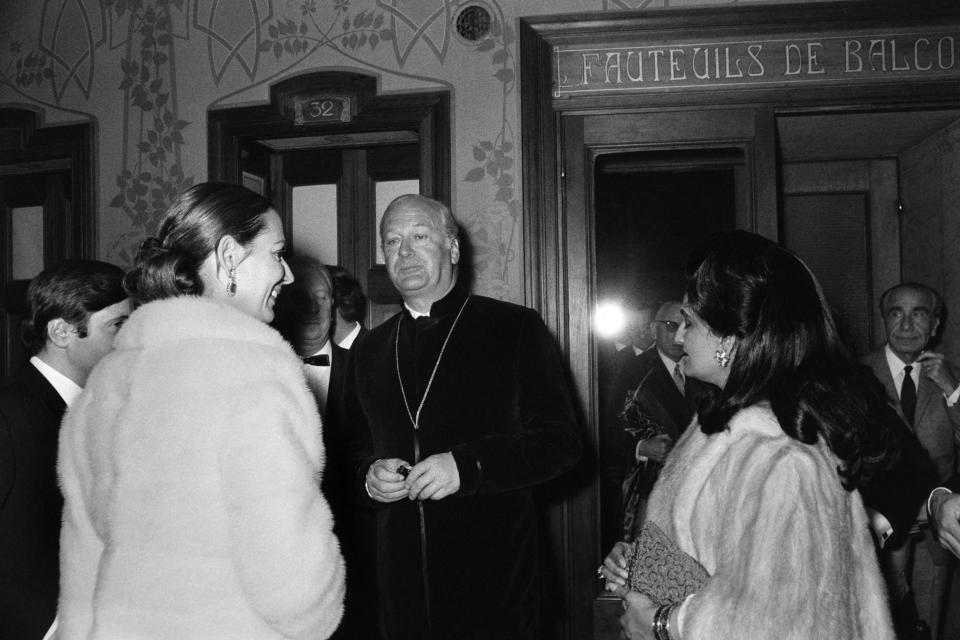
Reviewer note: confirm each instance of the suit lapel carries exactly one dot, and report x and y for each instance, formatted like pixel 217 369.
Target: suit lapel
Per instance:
pixel 338 365
pixel 661 381
pixel 877 360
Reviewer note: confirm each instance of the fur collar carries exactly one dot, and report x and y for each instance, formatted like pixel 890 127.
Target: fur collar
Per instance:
pixel 193 317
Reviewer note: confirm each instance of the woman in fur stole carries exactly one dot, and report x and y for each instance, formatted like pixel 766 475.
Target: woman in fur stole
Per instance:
pixel 756 513
pixel 191 464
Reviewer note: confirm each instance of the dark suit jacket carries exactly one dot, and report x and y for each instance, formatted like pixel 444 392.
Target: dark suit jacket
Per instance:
pixel 659 394
pixel 30 504
pixel 899 493
pixel 935 424
pixel 338 368
pixel 353 525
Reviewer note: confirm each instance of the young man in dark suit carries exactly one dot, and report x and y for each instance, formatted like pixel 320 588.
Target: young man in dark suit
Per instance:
pixel 75 310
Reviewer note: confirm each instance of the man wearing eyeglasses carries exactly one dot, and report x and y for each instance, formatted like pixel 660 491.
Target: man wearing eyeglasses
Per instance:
pixel 664 397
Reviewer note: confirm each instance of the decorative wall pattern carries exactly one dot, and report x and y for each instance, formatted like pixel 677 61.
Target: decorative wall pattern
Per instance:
pixel 151 173
pixel 147 70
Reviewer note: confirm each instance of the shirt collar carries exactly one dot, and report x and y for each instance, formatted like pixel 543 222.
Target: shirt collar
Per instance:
pixel 64 386
pixel 668 362
pixel 896 364
pixel 446 305
pixel 327 348
pixel 350 337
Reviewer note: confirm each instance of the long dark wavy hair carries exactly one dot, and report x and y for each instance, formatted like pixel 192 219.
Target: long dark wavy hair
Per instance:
pixel 789 353
pixel 168 264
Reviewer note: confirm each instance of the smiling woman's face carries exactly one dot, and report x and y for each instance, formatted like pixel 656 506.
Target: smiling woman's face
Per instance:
pixel 262 271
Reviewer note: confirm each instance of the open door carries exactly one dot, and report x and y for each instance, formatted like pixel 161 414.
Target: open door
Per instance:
pixel 628 237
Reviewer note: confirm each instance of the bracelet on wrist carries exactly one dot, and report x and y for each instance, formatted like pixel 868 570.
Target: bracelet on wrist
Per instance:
pixel 661 622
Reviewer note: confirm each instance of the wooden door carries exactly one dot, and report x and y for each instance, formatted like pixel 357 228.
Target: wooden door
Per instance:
pixel 842 219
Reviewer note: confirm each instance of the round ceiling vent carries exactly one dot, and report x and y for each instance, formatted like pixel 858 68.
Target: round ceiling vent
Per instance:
pixel 473 23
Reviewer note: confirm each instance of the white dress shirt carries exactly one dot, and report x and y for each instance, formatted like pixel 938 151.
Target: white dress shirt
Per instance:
pixel 64 386
pixel 347 341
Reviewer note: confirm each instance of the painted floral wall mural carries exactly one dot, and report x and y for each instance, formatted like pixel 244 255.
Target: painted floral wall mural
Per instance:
pixel 148 70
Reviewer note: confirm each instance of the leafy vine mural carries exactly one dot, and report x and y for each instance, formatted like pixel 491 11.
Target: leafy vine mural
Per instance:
pixel 494 229
pixel 151 175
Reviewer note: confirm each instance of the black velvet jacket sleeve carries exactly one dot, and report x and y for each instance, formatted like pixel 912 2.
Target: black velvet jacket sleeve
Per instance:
pixel 544 441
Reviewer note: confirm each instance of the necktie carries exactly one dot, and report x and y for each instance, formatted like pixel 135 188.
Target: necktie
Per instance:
pixel 908 395
pixel 319 360
pixel 678 377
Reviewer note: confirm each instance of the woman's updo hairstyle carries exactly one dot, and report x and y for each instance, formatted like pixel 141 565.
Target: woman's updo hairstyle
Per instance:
pixel 168 264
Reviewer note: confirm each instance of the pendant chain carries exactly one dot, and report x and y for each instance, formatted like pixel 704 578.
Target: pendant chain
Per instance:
pixel 415 420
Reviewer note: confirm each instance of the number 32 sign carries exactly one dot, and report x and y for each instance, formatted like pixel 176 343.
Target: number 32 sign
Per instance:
pixel 321 108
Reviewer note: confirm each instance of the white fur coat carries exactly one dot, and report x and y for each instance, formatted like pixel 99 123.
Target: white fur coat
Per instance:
pixel 787 548
pixel 190 468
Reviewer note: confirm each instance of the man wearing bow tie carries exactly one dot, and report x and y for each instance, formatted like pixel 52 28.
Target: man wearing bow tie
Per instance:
pixel 305 317
pixel 923 386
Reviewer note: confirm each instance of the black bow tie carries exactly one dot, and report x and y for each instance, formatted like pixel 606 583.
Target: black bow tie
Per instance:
pixel 319 360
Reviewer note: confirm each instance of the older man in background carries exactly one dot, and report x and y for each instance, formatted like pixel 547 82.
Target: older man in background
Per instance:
pixel 923 386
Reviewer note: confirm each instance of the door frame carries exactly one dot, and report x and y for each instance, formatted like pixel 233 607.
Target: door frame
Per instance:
pixel 426 113
pixel 558 277
pixel 26 148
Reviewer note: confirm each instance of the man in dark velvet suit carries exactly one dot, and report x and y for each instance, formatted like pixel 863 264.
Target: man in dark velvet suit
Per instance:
pixel 923 386
pixel 663 394
pixel 460 405
pixel 75 310
pixel 304 316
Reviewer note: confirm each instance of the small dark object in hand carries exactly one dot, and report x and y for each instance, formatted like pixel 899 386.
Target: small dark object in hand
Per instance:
pixel 403 470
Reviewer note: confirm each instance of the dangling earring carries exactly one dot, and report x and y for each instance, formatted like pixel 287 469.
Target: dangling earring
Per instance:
pixel 232 282
pixel 722 357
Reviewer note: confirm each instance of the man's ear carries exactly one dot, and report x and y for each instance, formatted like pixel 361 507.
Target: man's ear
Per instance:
pixel 60 332
pixel 454 250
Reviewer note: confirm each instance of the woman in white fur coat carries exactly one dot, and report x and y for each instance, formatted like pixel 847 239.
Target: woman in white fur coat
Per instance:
pixel 191 463
pixel 761 490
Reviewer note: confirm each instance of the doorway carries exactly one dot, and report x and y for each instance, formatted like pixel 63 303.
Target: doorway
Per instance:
pixel 330 153
pixel 652 210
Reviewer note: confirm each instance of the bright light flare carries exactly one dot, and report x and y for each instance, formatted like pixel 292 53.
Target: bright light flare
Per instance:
pixel 609 320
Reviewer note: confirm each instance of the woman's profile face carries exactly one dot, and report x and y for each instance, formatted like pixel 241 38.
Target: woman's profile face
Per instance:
pixel 700 344
pixel 263 271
